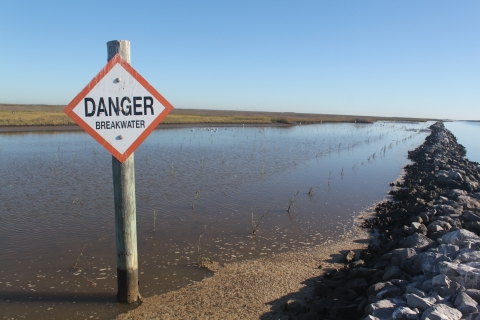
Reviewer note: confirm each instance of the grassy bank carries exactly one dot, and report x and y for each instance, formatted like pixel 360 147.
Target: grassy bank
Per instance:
pixel 14 115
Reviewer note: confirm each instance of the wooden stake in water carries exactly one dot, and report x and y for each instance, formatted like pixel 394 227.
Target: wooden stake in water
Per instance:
pixel 125 209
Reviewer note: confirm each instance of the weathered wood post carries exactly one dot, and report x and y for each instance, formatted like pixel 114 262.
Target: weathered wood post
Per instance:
pixel 125 209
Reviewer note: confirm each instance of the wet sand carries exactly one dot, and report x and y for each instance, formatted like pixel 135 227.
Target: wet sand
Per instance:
pixel 254 289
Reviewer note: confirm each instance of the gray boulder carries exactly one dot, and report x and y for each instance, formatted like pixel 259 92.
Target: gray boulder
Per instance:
pixel 471 216
pixel 359 285
pixel 419 228
pixel 473 316
pixel 447 210
pixel 444 286
pixel 466 275
pixel 455 193
pixel 389 293
pixel 431 261
pixel 421 304
pixel 405 313
pixel 384 309
pixel 416 291
pixel 417 241
pixel 450 250
pixel 441 280
pixel 473 256
pixel 392 272
pixel 458 236
pixel 427 285
pixel 374 289
pixel 441 312
pixel 439 225
pixel 347 257
pixel 468 202
pixel 465 303
pixel 474 294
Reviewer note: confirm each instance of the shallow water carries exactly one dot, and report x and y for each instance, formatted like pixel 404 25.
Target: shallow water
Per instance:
pixel 196 190
pixel 467 133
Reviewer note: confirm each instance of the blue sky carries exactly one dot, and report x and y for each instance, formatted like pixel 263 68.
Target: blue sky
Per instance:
pixel 385 58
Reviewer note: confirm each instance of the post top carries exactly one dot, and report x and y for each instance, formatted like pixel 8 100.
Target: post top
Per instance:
pixel 121 47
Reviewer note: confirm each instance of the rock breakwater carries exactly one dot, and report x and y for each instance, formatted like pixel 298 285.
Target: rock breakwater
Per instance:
pixel 425 261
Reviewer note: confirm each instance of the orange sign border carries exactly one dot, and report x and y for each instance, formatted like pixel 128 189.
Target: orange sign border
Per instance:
pixel 117 59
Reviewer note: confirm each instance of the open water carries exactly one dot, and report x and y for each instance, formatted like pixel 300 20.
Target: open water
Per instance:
pixel 198 193
pixel 467 134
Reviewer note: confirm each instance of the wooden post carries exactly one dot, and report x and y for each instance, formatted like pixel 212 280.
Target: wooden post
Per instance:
pixel 125 209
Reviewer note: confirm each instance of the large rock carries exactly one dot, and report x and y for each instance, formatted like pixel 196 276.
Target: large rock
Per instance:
pixel 359 285
pixel 393 272
pixel 374 289
pixel 450 250
pixel 416 291
pixel 439 225
pixel 455 193
pixel 465 303
pixel 421 304
pixel 431 261
pixel 446 210
pixel 466 275
pixel 468 202
pixel 419 228
pixel 322 306
pixel 474 294
pixel 444 286
pixel 458 236
pixel 417 241
pixel 425 262
pixel 441 312
pixel 384 309
pixel 471 216
pixel 347 257
pixel 389 293
pixel 405 313
pixel 473 256
pixel 348 311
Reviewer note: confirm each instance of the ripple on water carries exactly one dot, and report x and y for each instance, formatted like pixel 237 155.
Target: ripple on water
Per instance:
pixel 196 192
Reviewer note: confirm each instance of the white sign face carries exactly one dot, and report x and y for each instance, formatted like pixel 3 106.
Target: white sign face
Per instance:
pixel 119 108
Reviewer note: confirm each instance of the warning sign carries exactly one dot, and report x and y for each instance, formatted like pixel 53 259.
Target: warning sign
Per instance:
pixel 118 108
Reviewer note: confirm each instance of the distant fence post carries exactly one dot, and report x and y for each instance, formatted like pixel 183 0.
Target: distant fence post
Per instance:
pixel 125 209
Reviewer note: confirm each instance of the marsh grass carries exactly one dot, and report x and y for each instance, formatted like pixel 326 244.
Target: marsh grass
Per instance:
pixel 50 115
pixel 195 199
pixel 78 200
pixel 155 212
pixel 75 266
pixel 311 191
pixel 291 202
pixel 256 224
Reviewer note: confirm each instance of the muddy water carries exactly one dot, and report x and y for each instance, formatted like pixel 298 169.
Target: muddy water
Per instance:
pixel 198 193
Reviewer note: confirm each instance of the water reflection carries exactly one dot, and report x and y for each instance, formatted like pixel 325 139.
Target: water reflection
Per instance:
pixel 199 192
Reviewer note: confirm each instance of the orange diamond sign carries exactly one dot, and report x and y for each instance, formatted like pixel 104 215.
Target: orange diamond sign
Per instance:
pixel 118 108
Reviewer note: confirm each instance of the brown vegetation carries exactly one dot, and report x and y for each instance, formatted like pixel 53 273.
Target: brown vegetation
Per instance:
pixel 12 115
